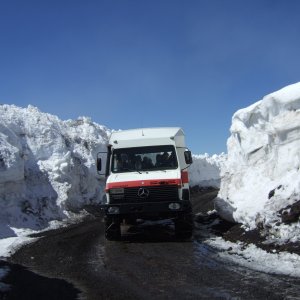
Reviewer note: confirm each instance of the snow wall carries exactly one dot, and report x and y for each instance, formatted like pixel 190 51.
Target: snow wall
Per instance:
pixel 261 179
pixel 205 170
pixel 47 167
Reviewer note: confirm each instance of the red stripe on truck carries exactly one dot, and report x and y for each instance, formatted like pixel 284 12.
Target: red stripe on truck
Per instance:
pixel 185 177
pixel 137 183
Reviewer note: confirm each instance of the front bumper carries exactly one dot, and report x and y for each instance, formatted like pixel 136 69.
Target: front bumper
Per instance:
pixel 142 210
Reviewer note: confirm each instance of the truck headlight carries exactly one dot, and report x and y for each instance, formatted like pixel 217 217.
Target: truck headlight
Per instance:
pixel 174 206
pixel 113 210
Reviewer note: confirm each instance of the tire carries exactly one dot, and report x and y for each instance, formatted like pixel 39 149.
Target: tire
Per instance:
pixel 184 226
pixel 112 229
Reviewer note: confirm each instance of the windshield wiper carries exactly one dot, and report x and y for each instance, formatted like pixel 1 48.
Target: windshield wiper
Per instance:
pixel 132 170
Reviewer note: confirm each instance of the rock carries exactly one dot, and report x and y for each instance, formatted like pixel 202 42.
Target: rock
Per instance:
pixel 291 213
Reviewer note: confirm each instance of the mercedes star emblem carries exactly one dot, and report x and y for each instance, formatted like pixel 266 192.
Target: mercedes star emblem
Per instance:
pixel 143 193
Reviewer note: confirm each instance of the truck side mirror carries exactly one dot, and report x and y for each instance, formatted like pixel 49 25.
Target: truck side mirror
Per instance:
pixel 99 164
pixel 188 157
pixel 101 158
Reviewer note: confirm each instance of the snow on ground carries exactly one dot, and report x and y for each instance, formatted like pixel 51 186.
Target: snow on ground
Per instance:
pixel 243 254
pixel 250 256
pixel 205 170
pixel 261 179
pixel 47 167
pixel 11 244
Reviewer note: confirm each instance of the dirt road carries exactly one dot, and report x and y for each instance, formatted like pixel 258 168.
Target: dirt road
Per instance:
pixel 148 263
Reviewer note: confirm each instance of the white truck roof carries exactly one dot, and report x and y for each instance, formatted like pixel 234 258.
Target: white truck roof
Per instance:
pixel 147 137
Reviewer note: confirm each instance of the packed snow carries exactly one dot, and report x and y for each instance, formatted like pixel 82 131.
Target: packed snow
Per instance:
pixel 252 257
pixel 260 184
pixel 246 255
pixel 205 170
pixel 47 167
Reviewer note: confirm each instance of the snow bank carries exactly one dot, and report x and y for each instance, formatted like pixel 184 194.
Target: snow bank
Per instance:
pixel 261 179
pixel 205 170
pixel 47 167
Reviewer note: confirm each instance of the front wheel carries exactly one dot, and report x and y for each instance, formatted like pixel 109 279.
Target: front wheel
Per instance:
pixel 112 229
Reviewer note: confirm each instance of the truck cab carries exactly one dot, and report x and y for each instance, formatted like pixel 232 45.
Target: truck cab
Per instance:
pixel 147 178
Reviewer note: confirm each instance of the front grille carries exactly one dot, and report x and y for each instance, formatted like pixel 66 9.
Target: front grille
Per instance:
pixel 156 194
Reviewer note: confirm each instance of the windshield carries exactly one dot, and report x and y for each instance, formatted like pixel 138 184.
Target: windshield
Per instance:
pixel 149 158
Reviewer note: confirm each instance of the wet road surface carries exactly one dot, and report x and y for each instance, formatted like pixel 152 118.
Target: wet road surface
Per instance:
pixel 148 263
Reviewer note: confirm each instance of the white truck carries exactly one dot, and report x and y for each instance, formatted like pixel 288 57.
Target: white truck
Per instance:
pixel 147 178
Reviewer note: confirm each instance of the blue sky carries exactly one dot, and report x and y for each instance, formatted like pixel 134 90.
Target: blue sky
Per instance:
pixel 133 63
